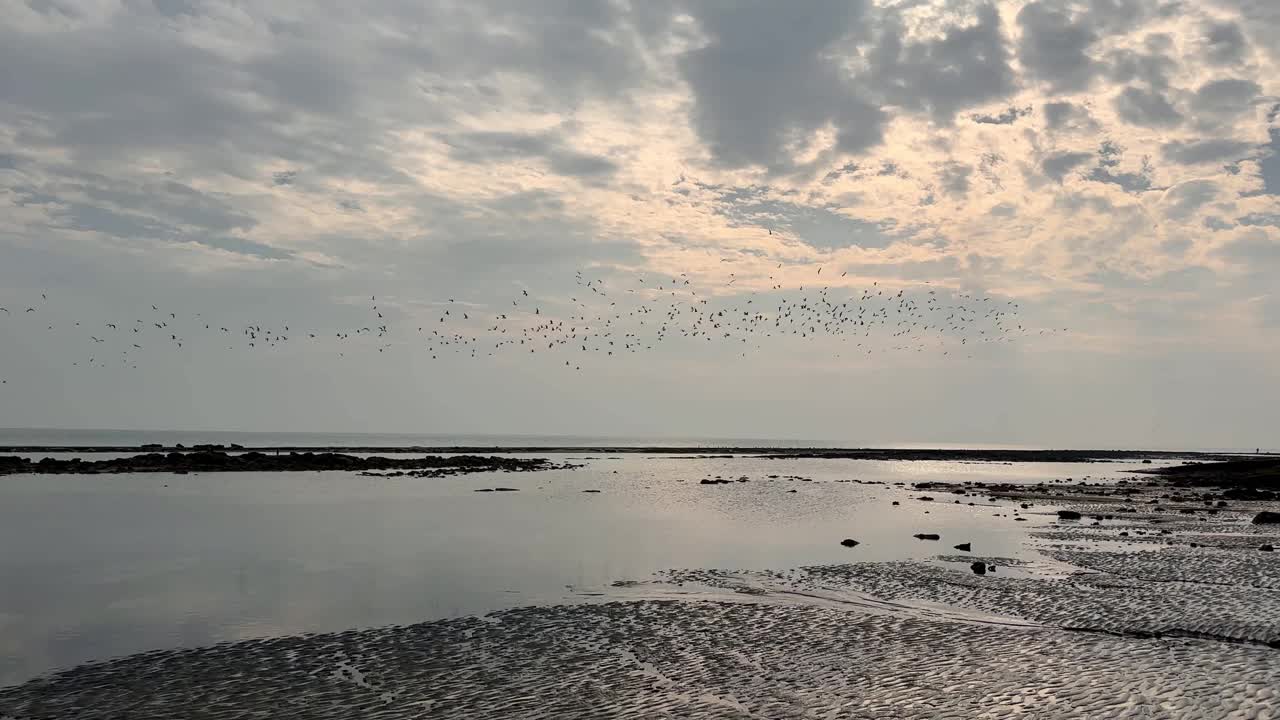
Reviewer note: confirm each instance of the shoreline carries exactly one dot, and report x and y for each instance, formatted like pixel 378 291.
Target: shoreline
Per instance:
pixel 1135 585
pixel 772 453
pixel 217 461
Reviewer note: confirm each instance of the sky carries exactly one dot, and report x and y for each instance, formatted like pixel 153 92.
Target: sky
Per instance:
pixel 1105 171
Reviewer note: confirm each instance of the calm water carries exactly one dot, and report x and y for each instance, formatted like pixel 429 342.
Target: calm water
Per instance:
pixel 105 565
pixel 39 436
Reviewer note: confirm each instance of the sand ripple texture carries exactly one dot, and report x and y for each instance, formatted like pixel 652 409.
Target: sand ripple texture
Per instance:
pixel 1096 602
pixel 675 659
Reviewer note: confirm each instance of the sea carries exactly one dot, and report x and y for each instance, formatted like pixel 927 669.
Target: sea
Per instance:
pixel 99 566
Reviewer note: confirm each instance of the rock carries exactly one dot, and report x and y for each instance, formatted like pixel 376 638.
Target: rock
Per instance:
pixel 1267 548
pixel 895 502
pixel 849 542
pixel 217 461
pixel 1266 517
pixel 506 489
pixel 964 546
pixel 590 491
pixel 926 498
pixel 483 490
pixel 979 568
pixel 927 536
pixel 991 568
pixel 1068 515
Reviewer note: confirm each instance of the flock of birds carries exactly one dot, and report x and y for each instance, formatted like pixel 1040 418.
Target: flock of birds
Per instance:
pixel 598 320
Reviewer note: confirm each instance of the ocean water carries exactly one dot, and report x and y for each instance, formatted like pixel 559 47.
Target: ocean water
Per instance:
pixel 95 437
pixel 106 565
pixel 90 437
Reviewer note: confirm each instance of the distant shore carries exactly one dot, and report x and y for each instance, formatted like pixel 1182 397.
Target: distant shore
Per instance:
pixel 205 460
pixel 781 453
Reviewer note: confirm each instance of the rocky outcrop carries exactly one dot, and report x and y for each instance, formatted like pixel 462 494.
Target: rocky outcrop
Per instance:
pixel 216 461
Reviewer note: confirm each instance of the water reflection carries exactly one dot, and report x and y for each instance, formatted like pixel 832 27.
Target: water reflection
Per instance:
pixel 99 566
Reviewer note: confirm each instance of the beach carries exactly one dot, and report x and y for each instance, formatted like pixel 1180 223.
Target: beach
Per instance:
pixel 681 584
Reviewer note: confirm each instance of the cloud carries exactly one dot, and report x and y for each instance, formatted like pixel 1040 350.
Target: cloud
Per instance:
pixel 954 178
pixel 1152 68
pixel 1054 47
pixel 1269 165
pixel 1225 43
pixel 1252 250
pixel 1205 151
pixel 1008 117
pixel 1183 200
pixel 1063 115
pixel 487 147
pixel 824 228
pixel 300 154
pixel 1148 108
pixel 1057 166
pixel 769 76
pixel 1229 96
pixel 968 65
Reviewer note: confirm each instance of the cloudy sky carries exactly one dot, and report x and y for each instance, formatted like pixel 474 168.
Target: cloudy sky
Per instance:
pixel 1111 166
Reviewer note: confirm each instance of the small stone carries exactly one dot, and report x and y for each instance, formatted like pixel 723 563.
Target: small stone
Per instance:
pixel 1068 515
pixel 979 568
pixel 964 546
pixel 927 536
pixel 1266 517
pixel 1267 548
pixel 849 542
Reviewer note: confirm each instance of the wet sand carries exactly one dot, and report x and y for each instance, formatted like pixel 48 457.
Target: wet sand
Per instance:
pixel 1137 609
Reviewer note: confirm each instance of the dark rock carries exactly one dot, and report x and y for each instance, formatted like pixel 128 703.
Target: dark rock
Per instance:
pixel 590 491
pixel 979 568
pixel 1068 515
pixel 217 461
pixel 506 489
pixel 927 536
pixel 895 502
pixel 926 498
pixel 1267 548
pixel 849 542
pixel 1266 517
pixel 964 546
